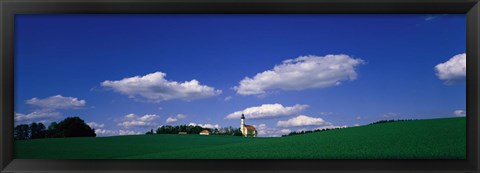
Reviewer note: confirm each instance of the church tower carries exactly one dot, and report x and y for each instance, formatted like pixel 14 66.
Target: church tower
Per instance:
pixel 242 124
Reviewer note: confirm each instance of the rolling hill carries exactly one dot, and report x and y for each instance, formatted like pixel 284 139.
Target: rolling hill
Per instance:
pixel 419 139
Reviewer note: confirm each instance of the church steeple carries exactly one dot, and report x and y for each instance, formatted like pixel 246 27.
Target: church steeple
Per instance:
pixel 242 124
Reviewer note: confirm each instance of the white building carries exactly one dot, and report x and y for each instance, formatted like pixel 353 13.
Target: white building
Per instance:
pixel 204 132
pixel 247 130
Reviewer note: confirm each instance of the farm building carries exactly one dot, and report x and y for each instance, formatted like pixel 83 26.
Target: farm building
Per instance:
pixel 247 130
pixel 182 133
pixel 204 132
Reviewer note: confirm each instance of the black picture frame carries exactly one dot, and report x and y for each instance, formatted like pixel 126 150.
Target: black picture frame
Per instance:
pixel 8 9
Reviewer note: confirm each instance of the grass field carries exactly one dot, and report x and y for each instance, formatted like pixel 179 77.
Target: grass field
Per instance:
pixel 419 139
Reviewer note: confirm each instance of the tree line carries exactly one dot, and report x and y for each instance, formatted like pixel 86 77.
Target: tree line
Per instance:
pixel 321 130
pixel 308 131
pixel 391 121
pixel 190 129
pixel 69 127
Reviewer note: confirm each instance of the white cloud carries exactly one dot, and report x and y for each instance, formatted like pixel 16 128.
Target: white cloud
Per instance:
pixel 36 116
pixel 128 132
pixel 430 17
pixel 326 113
pixel 330 127
pixel 227 98
pixel 132 120
pixel 57 102
pixel 96 125
pixel 433 16
pixel 264 131
pixel 175 118
pixel 267 111
pixel 459 113
pixel 454 70
pixel 390 115
pixel 171 120
pixel 302 120
pixel 285 131
pixel 154 87
pixel 362 118
pixel 47 108
pixel 209 126
pixel 302 73
pixel 105 132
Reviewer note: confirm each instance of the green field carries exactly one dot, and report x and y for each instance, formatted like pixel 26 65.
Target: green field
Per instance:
pixel 419 139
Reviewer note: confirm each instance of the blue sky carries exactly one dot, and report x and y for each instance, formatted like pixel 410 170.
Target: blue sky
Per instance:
pixel 126 74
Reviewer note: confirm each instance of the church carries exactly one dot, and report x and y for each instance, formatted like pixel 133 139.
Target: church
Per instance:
pixel 247 130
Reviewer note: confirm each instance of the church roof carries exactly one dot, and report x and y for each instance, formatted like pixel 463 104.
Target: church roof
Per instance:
pixel 249 127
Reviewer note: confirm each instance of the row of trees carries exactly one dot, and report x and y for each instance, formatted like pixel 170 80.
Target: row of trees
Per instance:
pixel 230 131
pixel 390 121
pixel 320 130
pixel 308 131
pixel 189 129
pixel 168 129
pixel 69 127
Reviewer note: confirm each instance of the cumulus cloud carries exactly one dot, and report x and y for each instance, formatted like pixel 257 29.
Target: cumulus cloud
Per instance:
pixel 105 132
pixel 227 98
pixel 47 109
pixel 96 125
pixel 132 120
pixel 285 131
pixel 36 116
pixel 171 120
pixel 302 120
pixel 175 118
pixel 459 113
pixel 209 126
pixel 57 102
pixel 304 72
pixel 264 131
pixel 330 127
pixel 154 87
pixel 454 70
pixel 267 111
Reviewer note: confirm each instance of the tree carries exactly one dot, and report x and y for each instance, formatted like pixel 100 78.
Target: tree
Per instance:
pixel 237 132
pixel 21 132
pixel 37 131
pixel 73 127
pixel 69 127
pixel 149 132
pixel 52 131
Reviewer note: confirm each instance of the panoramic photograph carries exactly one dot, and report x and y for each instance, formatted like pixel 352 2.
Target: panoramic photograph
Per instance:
pixel 240 86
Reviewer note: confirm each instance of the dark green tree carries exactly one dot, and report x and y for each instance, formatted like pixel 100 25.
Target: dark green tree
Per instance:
pixel 37 130
pixel 52 131
pixel 21 132
pixel 73 127
pixel 149 132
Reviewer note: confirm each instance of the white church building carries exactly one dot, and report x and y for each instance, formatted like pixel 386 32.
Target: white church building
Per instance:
pixel 247 130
